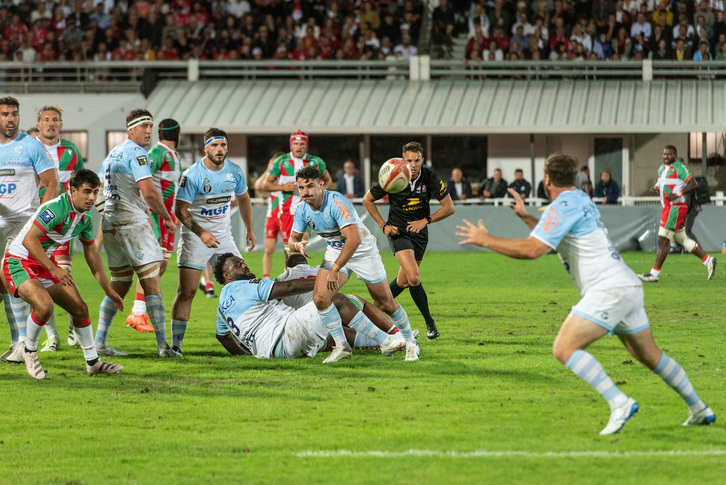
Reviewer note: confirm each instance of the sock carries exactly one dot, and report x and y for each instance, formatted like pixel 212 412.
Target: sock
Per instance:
pixel 705 259
pixel 203 281
pixel 589 370
pixel 400 320
pixel 422 302
pixel 655 272
pixel 105 319
pixel 157 315
pixel 84 334
pixel 363 326
pixel 362 341
pixel 11 318
pixel 673 374
pixel 50 328
pixel 209 286
pixel 331 321
pixel 35 328
pixel 139 304
pixel 393 330
pixel 395 289
pixel 22 312
pixel 266 276
pixel 178 327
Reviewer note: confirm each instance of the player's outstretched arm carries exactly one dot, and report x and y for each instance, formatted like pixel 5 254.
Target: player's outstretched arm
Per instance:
pixel 529 248
pixel 152 196
pixel 245 211
pixel 281 289
pixel 521 211
pixel 296 244
pixel 95 264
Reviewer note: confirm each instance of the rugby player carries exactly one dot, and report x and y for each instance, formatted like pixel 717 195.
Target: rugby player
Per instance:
pixel 203 206
pixel 350 247
pixel 32 275
pixel 272 220
pixel 612 295
pixel 407 226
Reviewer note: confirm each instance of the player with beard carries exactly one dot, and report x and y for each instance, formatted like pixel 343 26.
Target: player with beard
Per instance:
pixel 251 320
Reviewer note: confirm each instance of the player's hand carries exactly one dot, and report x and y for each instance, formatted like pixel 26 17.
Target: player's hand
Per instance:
pixel 117 300
pixel 170 225
pixel 209 240
pixel 289 187
pixel 655 190
pixel 251 241
pixel 390 230
pixel 416 226
pixel 332 282
pixel 518 206
pixel 671 197
pixel 300 248
pixel 472 234
pixel 64 277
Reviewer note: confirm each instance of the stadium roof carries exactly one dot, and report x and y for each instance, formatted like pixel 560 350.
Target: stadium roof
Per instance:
pixel 444 106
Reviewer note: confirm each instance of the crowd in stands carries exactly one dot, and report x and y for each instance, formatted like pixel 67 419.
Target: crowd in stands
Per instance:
pixel 101 30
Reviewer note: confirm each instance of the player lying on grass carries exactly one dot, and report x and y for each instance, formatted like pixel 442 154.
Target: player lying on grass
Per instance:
pixel 32 275
pixel 250 320
pixel 612 295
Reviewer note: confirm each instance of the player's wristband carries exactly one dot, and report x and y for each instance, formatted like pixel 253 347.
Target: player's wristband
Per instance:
pixel 428 219
pixel 383 226
pixel 679 194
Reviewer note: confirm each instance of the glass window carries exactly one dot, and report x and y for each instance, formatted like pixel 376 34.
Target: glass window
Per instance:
pixel 114 138
pixel 469 153
pixel 80 139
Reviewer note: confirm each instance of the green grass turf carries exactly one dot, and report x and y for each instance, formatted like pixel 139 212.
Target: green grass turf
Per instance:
pixel 489 384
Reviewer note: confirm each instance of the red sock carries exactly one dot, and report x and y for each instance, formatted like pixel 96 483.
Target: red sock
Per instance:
pixel 84 323
pixel 705 258
pixel 37 320
pixel 208 286
pixel 140 297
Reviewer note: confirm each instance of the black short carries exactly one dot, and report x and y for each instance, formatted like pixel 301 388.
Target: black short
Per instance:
pixel 409 241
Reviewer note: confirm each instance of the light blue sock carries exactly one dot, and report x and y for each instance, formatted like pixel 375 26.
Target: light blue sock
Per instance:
pixel 178 327
pixel 673 374
pixel 363 326
pixel 10 315
pixel 105 319
pixel 589 370
pixel 400 320
pixel 157 315
pixel 22 311
pixel 362 341
pixel 331 321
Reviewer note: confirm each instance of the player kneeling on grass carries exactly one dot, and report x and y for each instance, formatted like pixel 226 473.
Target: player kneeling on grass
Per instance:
pixel 32 275
pixel 612 295
pixel 250 320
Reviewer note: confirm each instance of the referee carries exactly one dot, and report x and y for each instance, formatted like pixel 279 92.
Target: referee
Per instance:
pixel 407 223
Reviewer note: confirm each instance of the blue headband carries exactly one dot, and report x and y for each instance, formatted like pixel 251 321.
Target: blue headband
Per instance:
pixel 214 138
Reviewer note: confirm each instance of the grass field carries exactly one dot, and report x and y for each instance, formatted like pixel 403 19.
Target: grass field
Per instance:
pixel 487 402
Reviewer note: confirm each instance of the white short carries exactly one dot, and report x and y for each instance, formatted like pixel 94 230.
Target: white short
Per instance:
pixel 192 253
pixel 9 231
pixel 304 333
pixel 618 310
pixel 365 263
pixel 134 246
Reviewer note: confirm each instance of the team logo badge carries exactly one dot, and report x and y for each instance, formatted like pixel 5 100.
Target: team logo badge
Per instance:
pixel 310 222
pixel 183 182
pixel 142 160
pixel 207 186
pixel 18 150
pixel 230 176
pixel 254 281
pixel 47 216
pixel 139 255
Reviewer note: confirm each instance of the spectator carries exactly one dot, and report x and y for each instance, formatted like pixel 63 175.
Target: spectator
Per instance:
pixel 477 17
pixel 541 194
pixel 680 53
pixel 405 49
pixel 721 55
pixel 493 52
pixel 520 39
pixel 583 181
pixel 520 185
pixel 640 27
pixel 350 182
pixel 445 15
pixel 603 49
pixel 702 54
pixel 369 14
pixel 499 17
pixel 477 42
pixel 494 187
pixel 607 188
pixel 459 187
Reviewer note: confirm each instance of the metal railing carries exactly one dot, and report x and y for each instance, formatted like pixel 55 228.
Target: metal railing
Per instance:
pixel 142 76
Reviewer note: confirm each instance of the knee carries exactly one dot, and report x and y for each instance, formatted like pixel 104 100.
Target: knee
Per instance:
pixel 185 294
pixel 388 306
pixel 414 280
pixel 561 351
pixel 80 312
pixel 43 309
pixel 322 302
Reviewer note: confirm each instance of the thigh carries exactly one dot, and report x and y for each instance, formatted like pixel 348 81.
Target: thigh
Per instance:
pixel 135 246
pixel 322 295
pixel 382 296
pixel 578 332
pixel 617 310
pixel 367 265
pixel 68 298
pixel 407 261
pixel 304 333
pixel 272 227
pixel 17 271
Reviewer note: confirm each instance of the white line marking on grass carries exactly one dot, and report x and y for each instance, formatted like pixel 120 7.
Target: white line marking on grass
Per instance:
pixel 507 454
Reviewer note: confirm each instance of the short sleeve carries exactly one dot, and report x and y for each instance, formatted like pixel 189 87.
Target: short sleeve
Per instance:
pixel 556 222
pixel 275 169
pixel 342 211
pixel 186 191
pixel 49 216
pixel 87 231
pixel 377 192
pixel 683 172
pixel 241 183
pixel 299 223
pixel 321 166
pixel 438 187
pixel 222 327
pixel 139 164
pixel 264 287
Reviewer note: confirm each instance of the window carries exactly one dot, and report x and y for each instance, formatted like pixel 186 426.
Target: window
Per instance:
pixel 715 144
pixel 80 139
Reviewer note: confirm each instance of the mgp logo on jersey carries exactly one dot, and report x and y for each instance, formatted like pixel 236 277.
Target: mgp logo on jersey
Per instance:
pixel 47 216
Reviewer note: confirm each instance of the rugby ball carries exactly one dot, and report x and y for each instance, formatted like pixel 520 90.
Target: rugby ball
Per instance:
pixel 394 175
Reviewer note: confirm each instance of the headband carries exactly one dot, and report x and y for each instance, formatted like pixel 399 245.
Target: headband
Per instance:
pixel 298 136
pixel 138 121
pixel 214 138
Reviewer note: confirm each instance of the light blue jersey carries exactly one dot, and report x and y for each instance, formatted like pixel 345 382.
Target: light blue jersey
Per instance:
pixel 335 213
pixel 210 193
pixel 21 161
pixel 122 169
pixel 571 224
pixel 244 309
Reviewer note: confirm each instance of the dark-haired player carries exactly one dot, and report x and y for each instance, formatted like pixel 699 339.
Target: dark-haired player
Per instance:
pixel 203 205
pixel 34 277
pixel 407 225
pixel 128 238
pixel 165 169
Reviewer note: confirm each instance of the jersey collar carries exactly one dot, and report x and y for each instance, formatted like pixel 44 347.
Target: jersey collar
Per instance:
pixel 413 182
